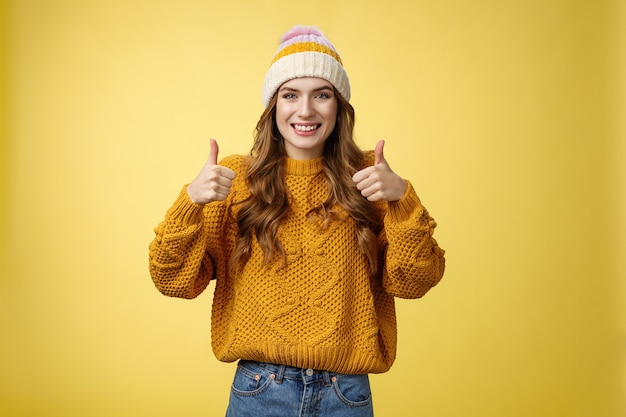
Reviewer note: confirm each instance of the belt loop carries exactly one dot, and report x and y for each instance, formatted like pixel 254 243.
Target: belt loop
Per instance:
pixel 281 374
pixel 326 377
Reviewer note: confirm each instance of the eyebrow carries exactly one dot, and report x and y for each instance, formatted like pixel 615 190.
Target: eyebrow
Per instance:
pixel 316 90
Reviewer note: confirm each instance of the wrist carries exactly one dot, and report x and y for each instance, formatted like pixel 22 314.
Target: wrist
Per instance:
pixel 193 195
pixel 401 190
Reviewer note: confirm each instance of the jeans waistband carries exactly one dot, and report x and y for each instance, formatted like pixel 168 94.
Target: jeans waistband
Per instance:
pixel 280 372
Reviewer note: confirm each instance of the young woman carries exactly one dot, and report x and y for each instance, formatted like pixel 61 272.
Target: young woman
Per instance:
pixel 308 238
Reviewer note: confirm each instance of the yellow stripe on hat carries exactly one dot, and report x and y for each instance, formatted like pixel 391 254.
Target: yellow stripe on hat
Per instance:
pixel 306 47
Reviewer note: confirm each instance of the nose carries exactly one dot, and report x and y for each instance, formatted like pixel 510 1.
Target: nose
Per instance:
pixel 306 108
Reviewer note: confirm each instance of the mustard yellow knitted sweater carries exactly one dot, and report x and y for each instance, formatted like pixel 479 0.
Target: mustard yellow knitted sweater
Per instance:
pixel 319 309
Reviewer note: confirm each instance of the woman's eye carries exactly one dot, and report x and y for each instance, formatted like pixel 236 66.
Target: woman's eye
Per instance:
pixel 323 96
pixel 289 96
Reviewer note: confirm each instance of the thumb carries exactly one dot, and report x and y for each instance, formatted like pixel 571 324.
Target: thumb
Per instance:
pixel 213 153
pixel 379 157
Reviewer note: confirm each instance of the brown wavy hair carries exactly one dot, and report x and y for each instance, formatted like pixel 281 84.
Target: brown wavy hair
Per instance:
pixel 263 212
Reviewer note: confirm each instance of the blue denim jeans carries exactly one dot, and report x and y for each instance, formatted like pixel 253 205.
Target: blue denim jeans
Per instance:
pixel 264 389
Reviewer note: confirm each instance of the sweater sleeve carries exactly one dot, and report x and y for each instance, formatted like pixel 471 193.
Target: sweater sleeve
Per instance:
pixel 178 264
pixel 414 263
pixel 188 248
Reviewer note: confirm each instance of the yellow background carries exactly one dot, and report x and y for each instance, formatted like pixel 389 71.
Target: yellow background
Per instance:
pixel 507 116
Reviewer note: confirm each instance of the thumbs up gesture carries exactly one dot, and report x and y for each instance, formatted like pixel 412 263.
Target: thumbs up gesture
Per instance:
pixel 379 182
pixel 213 182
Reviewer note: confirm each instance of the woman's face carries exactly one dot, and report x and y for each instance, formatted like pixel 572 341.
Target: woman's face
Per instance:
pixel 306 114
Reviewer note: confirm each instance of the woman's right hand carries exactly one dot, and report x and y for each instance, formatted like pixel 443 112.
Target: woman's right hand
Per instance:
pixel 213 182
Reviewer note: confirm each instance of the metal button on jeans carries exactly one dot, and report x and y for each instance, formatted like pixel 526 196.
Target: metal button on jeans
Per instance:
pixel 309 372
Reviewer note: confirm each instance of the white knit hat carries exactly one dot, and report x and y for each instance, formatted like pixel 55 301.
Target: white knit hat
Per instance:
pixel 305 52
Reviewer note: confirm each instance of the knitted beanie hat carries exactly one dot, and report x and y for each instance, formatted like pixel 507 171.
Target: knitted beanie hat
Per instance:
pixel 305 52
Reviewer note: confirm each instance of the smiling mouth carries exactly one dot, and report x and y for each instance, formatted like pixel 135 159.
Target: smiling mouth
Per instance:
pixel 306 128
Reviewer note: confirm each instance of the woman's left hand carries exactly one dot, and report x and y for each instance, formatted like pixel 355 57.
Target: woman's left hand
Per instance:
pixel 379 182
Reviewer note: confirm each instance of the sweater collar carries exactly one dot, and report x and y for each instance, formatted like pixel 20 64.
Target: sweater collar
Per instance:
pixel 305 167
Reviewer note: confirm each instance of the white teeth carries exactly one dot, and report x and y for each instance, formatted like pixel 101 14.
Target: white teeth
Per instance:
pixel 302 128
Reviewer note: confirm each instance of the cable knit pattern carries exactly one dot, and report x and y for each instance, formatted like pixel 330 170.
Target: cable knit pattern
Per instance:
pixel 319 309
